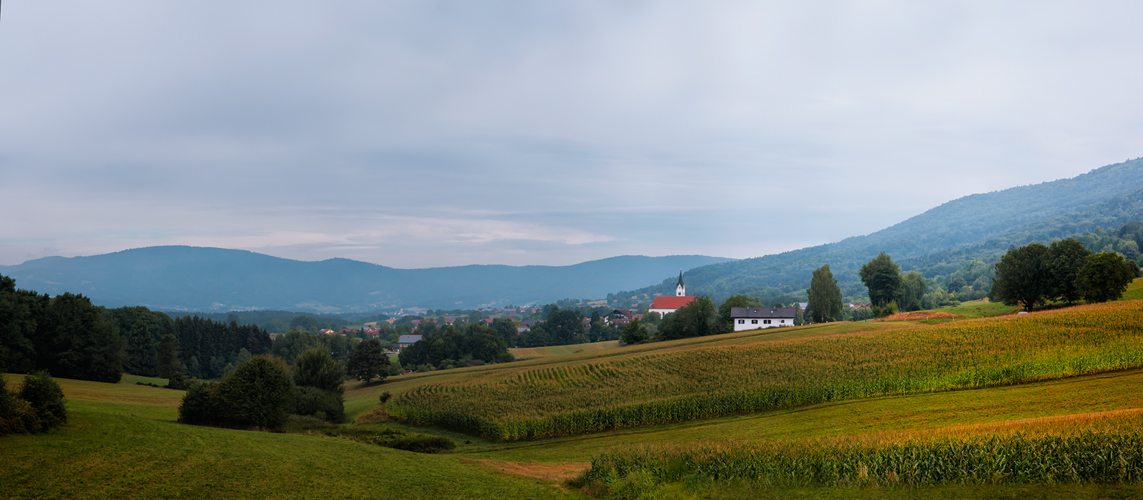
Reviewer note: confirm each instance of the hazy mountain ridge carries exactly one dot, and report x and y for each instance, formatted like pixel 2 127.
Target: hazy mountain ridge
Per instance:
pixel 1106 195
pixel 215 279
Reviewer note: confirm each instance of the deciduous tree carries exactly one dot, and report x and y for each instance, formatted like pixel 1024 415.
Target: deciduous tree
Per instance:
pixel 316 368
pixel 732 302
pixel 1062 263
pixel 882 277
pixel 368 361
pixel 1021 278
pixel 824 296
pixel 1103 277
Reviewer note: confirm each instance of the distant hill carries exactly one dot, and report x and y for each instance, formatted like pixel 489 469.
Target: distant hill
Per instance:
pixel 215 279
pixel 979 225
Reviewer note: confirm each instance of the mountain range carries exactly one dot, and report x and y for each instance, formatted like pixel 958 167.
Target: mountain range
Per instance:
pixel 183 278
pixel 977 226
pixel 936 242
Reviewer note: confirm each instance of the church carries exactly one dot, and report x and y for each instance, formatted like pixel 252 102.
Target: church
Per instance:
pixel 664 304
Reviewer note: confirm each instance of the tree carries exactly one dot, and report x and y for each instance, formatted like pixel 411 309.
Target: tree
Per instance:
pixel 167 362
pixel 634 333
pixel 912 291
pixel 1104 277
pixel 316 368
pixel 565 326
pixel 1020 277
pixel 141 351
pixel 506 329
pixel 17 327
pixel 368 361
pixel 1063 263
pixel 825 296
pixel 882 278
pixel 692 320
pixel 45 397
pixel 733 301
pixel 258 394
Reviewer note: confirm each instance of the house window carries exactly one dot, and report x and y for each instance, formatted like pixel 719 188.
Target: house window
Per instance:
pixel 766 321
pixel 753 322
pixel 783 321
pixel 742 322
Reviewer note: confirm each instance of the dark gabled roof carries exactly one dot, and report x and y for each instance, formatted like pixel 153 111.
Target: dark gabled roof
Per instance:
pixel 763 312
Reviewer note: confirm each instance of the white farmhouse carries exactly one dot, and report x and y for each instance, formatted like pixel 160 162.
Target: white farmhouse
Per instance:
pixel 753 318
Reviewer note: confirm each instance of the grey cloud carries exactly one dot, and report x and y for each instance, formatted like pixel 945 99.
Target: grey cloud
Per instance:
pixel 655 128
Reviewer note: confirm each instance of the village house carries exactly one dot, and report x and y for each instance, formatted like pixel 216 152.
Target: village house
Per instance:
pixel 406 341
pixel 753 318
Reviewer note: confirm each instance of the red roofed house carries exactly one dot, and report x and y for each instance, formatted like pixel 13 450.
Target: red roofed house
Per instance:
pixel 665 305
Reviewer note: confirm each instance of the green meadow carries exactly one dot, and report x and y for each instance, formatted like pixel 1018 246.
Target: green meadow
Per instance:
pixel 122 440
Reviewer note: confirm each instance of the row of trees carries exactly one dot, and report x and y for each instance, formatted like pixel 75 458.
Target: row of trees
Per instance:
pixel 264 390
pixel 65 335
pixel 1064 271
pixel 889 290
pixel 450 347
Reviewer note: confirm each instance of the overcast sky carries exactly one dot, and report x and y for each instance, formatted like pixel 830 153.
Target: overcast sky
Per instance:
pixel 424 134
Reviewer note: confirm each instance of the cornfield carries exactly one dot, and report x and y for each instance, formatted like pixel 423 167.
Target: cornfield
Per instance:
pixel 1084 458
pixel 656 388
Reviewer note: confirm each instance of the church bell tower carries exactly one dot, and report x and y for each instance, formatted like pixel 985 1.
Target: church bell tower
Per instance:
pixel 680 289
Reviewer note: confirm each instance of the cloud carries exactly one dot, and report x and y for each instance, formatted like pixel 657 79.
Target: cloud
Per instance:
pixel 419 134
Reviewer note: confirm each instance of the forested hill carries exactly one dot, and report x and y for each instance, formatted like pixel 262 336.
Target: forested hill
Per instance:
pixel 969 227
pixel 215 279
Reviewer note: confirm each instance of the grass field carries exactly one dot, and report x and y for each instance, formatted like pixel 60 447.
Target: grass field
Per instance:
pixel 1134 290
pixel 122 441
pixel 979 309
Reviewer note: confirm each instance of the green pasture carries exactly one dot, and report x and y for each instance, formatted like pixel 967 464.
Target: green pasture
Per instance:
pixel 1134 290
pixel 979 309
pixel 122 441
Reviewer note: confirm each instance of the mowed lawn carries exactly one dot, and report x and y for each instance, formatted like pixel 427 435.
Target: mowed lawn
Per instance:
pixel 122 441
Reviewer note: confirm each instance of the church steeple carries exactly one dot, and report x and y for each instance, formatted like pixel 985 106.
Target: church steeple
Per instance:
pixel 680 289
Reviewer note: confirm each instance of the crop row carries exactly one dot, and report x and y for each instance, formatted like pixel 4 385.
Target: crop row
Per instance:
pixel 1085 458
pixel 717 381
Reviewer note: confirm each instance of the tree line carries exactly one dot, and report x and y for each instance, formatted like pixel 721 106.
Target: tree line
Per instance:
pixel 71 338
pixel 1065 271
pixel 453 346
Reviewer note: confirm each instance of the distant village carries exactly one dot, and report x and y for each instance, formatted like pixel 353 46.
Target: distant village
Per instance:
pixel 403 328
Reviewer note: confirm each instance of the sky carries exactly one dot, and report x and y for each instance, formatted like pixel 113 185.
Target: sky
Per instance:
pixel 425 134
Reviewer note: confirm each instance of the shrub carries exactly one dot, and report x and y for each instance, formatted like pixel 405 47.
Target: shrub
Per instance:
pixel 326 405
pixel 202 405
pixel 258 394
pixel 316 368
pixel 45 397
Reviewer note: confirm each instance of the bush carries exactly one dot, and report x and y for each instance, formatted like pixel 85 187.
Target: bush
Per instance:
pixel 45 397
pixel 257 394
pixel 314 402
pixel 202 405
pixel 316 368
pixel 416 443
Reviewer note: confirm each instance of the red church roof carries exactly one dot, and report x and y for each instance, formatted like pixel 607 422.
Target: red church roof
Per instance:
pixel 671 302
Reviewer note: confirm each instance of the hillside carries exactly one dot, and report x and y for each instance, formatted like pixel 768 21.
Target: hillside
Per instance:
pixel 215 279
pixel 759 371
pixel 126 435
pixel 970 227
